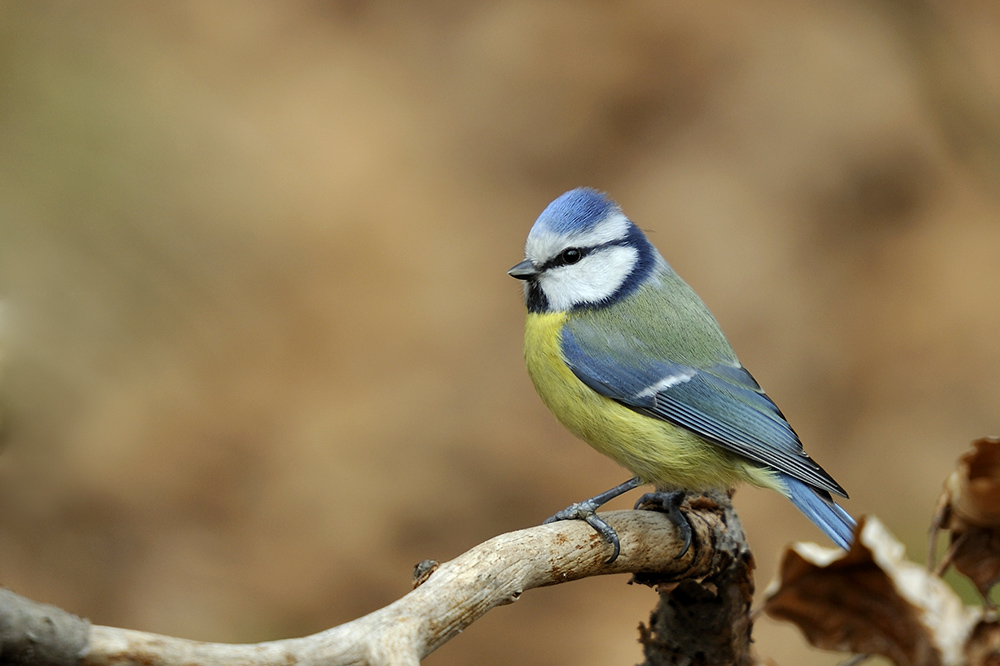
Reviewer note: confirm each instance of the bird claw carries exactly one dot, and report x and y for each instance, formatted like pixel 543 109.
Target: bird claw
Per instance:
pixel 669 503
pixel 587 511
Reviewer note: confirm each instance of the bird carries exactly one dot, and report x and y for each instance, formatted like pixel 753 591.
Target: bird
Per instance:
pixel 630 360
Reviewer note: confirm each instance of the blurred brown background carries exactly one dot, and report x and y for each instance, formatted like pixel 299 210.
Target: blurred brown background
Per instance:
pixel 260 352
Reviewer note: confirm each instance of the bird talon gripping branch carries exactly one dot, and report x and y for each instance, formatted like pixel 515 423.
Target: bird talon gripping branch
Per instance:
pixel 669 503
pixel 587 510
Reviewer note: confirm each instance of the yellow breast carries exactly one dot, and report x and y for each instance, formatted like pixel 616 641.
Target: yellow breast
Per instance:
pixel 656 451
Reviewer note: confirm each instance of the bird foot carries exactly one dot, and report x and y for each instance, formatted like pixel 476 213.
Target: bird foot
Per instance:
pixel 669 503
pixel 587 510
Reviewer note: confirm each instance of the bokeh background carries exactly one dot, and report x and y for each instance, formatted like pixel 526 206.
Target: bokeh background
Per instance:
pixel 260 354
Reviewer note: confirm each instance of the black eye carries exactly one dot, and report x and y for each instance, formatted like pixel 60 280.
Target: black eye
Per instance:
pixel 570 256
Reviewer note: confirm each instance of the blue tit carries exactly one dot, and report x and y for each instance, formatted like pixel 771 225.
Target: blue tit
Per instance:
pixel 630 360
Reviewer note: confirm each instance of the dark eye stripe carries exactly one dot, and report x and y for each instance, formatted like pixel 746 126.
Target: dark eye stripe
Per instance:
pixel 573 255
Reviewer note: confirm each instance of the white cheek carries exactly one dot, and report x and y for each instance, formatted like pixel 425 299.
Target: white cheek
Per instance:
pixel 597 276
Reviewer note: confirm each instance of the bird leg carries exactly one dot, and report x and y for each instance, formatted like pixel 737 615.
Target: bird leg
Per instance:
pixel 669 503
pixel 587 510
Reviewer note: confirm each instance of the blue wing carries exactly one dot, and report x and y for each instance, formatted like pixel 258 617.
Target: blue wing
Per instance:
pixel 720 402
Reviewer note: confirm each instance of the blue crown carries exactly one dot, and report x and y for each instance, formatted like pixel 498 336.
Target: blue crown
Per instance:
pixel 576 211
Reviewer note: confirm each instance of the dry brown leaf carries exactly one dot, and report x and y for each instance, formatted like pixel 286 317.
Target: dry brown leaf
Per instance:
pixel 969 508
pixel 871 600
pixel 983 648
pixel 975 486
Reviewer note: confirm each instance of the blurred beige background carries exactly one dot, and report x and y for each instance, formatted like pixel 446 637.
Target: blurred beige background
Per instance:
pixel 260 352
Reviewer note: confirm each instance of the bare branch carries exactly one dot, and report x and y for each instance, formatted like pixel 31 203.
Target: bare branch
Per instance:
pixel 706 619
pixel 454 595
pixel 34 634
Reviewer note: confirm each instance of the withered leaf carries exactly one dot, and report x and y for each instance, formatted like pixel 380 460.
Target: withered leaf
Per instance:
pixel 871 600
pixel 969 508
pixel 983 648
pixel 973 488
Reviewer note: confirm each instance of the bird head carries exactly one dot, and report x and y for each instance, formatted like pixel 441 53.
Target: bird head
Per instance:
pixel 582 252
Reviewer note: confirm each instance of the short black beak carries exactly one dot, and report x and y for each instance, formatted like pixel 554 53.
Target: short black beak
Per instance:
pixel 523 271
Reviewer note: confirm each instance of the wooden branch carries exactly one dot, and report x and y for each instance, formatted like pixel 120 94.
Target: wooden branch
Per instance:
pixel 706 620
pixel 446 601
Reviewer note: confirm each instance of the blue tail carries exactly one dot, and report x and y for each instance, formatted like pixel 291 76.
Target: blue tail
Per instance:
pixel 820 508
